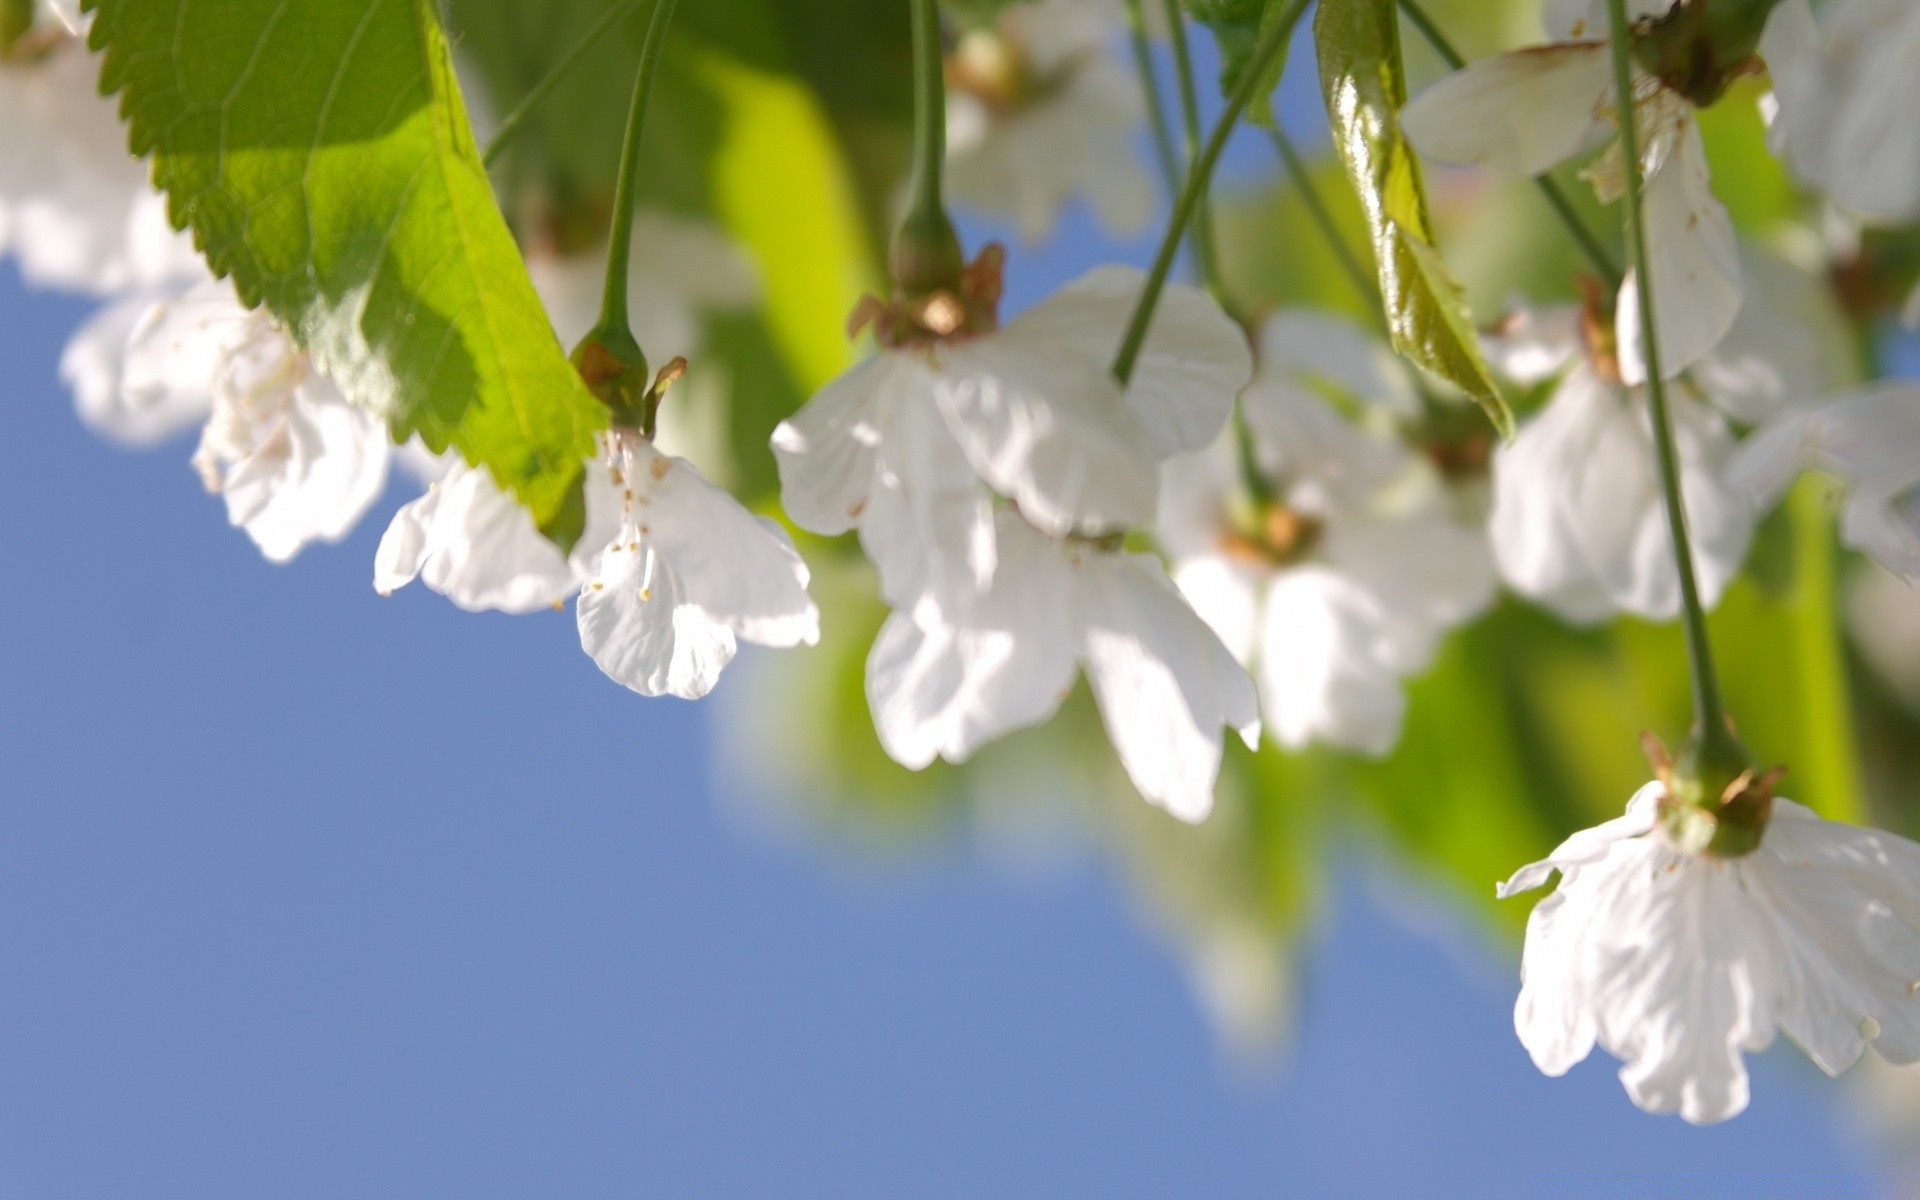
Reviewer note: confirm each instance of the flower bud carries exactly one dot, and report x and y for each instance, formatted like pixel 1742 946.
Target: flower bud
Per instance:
pixel 1699 49
pixel 1716 804
pixel 614 369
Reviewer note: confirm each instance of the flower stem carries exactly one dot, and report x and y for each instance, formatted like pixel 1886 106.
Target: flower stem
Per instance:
pixel 1596 254
pixel 1204 252
pixel 613 301
pixel 1316 204
pixel 926 251
pixel 1193 192
pixel 1163 151
pixel 511 123
pixel 1710 718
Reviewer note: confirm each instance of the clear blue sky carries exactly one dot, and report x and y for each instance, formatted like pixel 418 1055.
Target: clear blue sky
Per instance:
pixel 304 893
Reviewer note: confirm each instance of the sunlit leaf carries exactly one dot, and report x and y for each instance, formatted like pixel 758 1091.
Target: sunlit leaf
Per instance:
pixel 1364 82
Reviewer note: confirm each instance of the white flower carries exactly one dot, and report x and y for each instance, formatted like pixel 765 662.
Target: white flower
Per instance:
pixel 1163 682
pixel 678 268
pixel 1344 585
pixel 1679 964
pixel 688 571
pixel 1869 437
pixel 1525 112
pixel 76 209
pixel 1845 91
pixel 910 445
pixel 1039 112
pixel 670 570
pixel 294 459
pixel 1579 520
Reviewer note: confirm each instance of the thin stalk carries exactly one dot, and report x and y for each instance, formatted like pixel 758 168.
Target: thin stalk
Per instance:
pixel 926 250
pixel 511 123
pixel 1204 252
pixel 1199 177
pixel 1350 264
pixel 1163 151
pixel 613 300
pixel 1709 712
pixel 1597 256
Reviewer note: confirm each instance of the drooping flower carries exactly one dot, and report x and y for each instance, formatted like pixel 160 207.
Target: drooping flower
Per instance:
pixel 294 460
pixel 1340 584
pixel 1039 112
pixel 1579 520
pixel 912 445
pixel 76 208
pixel 671 572
pixel 1870 438
pixel 1163 682
pixel 1845 90
pixel 1525 112
pixel 1679 963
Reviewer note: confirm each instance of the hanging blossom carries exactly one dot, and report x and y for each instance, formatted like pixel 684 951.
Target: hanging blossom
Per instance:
pixel 991 471
pixel 1679 961
pixel 293 459
pixel 1844 93
pixel 1039 111
pixel 671 571
pixel 1579 519
pixel 1870 438
pixel 76 209
pixel 1341 582
pixel 1525 112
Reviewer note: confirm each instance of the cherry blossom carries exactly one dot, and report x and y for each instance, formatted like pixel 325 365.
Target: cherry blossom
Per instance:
pixel 1680 963
pixel 1162 680
pixel 76 209
pixel 671 572
pixel 1525 112
pixel 294 460
pixel 1340 585
pixel 1039 111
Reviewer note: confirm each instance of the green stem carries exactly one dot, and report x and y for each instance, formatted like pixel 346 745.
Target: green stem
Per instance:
pixel 926 251
pixel 1350 264
pixel 1204 251
pixel 1163 151
pixel 1710 719
pixel 1199 176
pixel 1597 256
pixel 511 123
pixel 613 301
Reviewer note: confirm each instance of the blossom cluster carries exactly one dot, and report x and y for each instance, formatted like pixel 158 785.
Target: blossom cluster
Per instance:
pixel 1250 525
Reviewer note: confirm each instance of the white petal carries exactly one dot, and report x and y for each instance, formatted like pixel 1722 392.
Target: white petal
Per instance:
pixel 826 450
pixel 1590 845
pixel 1520 113
pixel 96 365
pixel 1531 346
pixel 638 624
pixel 1307 346
pixel 314 478
pixel 1225 592
pixel 1051 430
pixel 1164 683
pixel 1324 664
pixel 927 523
pixel 1194 362
pixel 1789 343
pixel 1697 286
pixel 739 570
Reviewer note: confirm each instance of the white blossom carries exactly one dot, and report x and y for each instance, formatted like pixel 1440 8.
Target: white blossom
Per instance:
pixel 294 460
pixel 76 208
pixel 1163 682
pixel 1869 437
pixel 1679 964
pixel 1040 112
pixel 1845 91
pixel 1525 112
pixel 912 445
pixel 1343 585
pixel 671 571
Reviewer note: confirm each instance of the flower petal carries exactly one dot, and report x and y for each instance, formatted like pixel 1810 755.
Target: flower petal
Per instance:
pixel 1520 113
pixel 826 451
pixel 1323 666
pixel 1697 282
pixel 638 624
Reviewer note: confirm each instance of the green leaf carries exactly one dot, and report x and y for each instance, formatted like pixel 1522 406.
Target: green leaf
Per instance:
pixel 1239 26
pixel 1365 85
pixel 322 155
pixel 16 17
